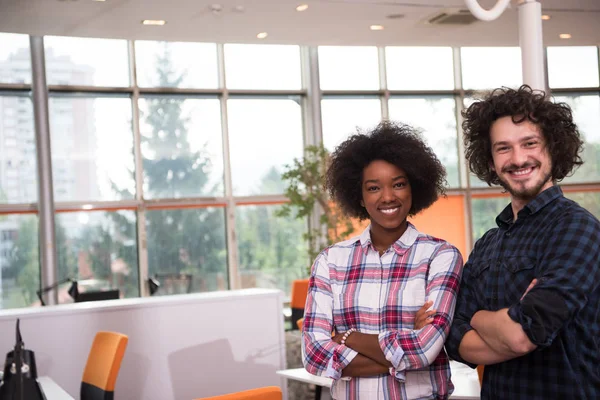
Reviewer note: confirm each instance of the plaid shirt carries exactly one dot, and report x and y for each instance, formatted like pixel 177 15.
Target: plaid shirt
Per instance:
pixel 351 286
pixel 557 242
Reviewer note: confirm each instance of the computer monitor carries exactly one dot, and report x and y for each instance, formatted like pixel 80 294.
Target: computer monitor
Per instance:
pixel 97 295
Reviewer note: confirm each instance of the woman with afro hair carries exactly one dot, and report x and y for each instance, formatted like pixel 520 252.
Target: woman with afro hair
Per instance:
pixel 387 295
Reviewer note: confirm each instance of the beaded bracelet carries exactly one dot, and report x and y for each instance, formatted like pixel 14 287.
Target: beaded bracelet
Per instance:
pixel 346 334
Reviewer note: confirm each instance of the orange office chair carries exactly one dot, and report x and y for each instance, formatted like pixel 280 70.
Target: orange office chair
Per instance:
pixel 298 300
pixel 102 367
pixel 263 393
pixel 480 374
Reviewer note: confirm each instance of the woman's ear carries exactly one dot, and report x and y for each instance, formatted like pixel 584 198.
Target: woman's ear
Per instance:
pixel 362 204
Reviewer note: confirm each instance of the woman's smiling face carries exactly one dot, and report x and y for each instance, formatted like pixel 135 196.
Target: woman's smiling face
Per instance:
pixel 386 195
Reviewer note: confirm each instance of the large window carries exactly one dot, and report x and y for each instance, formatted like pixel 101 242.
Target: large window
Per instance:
pixel 167 162
pixel 15 59
pixel 491 67
pixel 181 147
pixel 18 182
pixel 344 116
pixel 348 68
pixel 436 118
pixel 484 212
pixel 419 68
pixel 99 249
pixel 176 65
pixel 19 261
pixel 586 113
pixel 264 136
pixel 87 62
pixel 187 250
pixel 262 67
pixel 92 148
pixel 271 250
pixel 573 67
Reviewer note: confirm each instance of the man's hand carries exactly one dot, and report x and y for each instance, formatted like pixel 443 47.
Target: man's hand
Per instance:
pixel 424 317
pixel 531 285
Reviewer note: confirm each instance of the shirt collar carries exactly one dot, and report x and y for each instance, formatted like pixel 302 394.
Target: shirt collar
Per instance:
pixel 506 217
pixel 403 243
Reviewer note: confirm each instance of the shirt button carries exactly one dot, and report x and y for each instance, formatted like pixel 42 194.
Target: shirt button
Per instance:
pixel 507 234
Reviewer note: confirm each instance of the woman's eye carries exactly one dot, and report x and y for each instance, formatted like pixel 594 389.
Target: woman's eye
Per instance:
pixel 371 188
pixel 400 184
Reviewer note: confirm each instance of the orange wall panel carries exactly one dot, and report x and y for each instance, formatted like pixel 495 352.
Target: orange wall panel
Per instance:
pixel 445 219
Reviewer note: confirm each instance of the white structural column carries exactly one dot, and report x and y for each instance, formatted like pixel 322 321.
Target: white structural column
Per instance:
pixel 530 36
pixel 531 43
pixel 48 259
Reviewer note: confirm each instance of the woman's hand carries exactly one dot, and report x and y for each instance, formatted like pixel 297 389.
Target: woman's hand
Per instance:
pixel 337 337
pixel 423 316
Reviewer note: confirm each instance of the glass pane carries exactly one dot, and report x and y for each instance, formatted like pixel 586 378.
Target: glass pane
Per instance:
pixel 484 212
pixel 419 68
pixel 187 250
pixel 436 117
pixel 271 250
pixel 259 66
pixel 181 147
pixel 176 64
pixel 89 62
pixel 92 148
pixel 15 58
pixel 19 261
pixel 588 200
pixel 348 68
pixel 18 165
pixel 99 249
pixel 586 113
pixel 573 67
pixel 342 117
pixel 491 67
pixel 264 135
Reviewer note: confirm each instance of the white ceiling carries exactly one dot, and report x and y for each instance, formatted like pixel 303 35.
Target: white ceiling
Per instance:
pixel 326 22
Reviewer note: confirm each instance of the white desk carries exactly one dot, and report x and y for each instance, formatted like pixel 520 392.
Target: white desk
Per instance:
pixel 465 380
pixel 51 389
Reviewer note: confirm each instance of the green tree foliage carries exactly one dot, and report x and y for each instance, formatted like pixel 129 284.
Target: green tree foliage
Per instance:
pixel 270 250
pixel 24 263
pixel 305 189
pixel 180 240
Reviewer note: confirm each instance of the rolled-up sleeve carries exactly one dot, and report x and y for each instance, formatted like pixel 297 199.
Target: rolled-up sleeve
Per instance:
pixel 321 355
pixel 414 349
pixel 571 270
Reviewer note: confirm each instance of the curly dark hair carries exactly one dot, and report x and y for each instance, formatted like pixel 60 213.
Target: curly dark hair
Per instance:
pixel 396 143
pixel 555 121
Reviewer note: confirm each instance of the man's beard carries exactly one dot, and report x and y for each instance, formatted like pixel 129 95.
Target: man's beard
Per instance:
pixel 524 193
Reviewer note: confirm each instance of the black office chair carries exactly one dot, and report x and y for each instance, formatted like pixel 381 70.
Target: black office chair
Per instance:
pixel 167 284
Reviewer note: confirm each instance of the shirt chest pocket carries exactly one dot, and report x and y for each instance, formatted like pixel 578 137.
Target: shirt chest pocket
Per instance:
pixel 516 274
pixel 503 282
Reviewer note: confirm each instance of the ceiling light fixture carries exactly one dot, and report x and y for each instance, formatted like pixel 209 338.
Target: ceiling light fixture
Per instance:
pixel 376 27
pixel 262 35
pixel 546 17
pixel 157 22
pixel 100 1
pixel 565 36
pixel 302 7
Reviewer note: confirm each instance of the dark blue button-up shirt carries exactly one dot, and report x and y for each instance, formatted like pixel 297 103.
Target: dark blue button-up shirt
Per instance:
pixel 558 242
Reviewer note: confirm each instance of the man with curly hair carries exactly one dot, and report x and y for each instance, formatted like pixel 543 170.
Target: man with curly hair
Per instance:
pixel 529 302
pixel 374 290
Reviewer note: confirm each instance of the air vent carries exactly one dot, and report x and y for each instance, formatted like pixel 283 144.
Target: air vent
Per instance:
pixel 452 17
